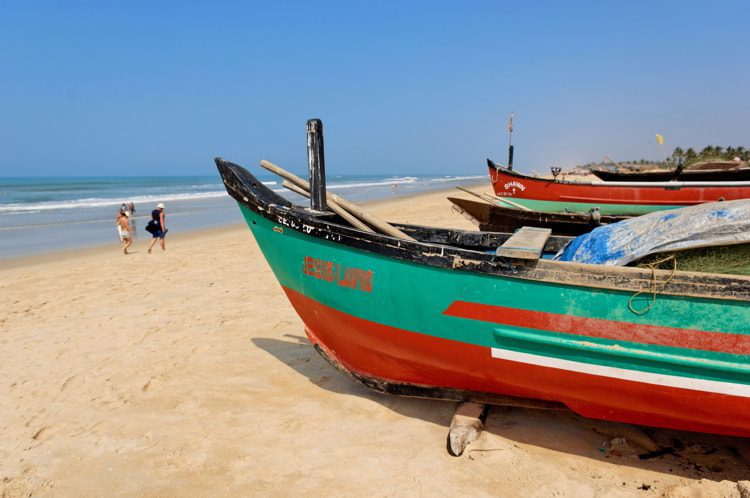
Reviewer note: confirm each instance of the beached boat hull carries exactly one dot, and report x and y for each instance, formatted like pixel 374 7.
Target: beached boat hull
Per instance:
pixel 615 198
pixel 726 171
pixel 636 176
pixel 437 320
pixel 493 218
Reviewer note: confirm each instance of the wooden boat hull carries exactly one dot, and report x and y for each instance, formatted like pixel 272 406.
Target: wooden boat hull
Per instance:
pixel 646 176
pixel 716 174
pixel 615 198
pixel 430 319
pixel 493 218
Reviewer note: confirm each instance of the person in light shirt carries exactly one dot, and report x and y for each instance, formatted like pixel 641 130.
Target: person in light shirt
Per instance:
pixel 123 230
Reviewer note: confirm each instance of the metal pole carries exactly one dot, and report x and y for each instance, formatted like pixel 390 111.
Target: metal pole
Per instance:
pixel 316 165
pixel 510 158
pixel 510 142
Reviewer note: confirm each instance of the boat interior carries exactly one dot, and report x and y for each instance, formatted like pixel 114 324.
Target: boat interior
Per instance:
pixel 473 250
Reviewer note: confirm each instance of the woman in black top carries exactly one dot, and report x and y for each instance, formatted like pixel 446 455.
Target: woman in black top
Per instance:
pixel 157 219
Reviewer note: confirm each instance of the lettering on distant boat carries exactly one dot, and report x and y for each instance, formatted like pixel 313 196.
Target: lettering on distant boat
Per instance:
pixel 335 273
pixel 515 184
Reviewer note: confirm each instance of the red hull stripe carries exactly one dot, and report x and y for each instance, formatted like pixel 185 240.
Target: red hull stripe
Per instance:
pixel 604 200
pixel 604 329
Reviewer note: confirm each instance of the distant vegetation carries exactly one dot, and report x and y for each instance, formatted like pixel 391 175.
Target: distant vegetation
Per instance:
pixel 710 153
pixel 686 157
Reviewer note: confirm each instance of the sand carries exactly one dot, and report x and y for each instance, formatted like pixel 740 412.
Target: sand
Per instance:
pixel 187 372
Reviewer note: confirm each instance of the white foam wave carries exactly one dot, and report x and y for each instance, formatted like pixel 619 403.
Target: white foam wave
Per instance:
pixel 397 181
pixel 381 183
pixel 402 179
pixel 458 178
pixel 99 202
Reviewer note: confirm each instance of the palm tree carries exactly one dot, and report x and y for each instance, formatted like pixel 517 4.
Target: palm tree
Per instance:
pixel 677 157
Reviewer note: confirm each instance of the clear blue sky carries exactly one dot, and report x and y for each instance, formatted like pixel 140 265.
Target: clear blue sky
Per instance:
pixel 144 87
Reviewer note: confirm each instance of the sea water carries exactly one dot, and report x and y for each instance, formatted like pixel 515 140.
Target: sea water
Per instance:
pixel 39 215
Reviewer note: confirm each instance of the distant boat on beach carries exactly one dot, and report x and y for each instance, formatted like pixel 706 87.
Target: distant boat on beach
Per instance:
pixel 478 316
pixel 612 198
pixel 713 171
pixel 493 218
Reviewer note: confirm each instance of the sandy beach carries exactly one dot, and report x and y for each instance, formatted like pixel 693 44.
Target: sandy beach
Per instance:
pixel 187 373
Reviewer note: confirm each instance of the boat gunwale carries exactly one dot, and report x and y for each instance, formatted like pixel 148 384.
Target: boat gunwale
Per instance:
pixel 268 204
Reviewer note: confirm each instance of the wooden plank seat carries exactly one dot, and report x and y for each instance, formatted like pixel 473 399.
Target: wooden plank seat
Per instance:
pixel 526 243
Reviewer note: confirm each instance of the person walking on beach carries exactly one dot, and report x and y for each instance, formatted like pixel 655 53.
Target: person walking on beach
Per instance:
pixel 123 230
pixel 131 218
pixel 158 227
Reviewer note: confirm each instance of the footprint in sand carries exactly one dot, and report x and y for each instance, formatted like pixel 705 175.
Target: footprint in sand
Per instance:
pixel 67 382
pixel 321 381
pixel 298 361
pixel 46 432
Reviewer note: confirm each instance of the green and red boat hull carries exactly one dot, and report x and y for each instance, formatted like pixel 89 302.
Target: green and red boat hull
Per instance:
pixel 461 331
pixel 612 198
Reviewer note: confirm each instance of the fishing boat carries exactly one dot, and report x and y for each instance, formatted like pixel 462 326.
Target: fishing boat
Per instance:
pixel 615 198
pixel 493 218
pixel 639 175
pixel 464 315
pixel 713 171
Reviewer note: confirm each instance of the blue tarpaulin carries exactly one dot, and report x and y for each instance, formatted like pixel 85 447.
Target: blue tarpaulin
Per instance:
pixel 702 225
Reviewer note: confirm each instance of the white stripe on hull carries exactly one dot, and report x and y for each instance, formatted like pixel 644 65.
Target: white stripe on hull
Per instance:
pixel 710 386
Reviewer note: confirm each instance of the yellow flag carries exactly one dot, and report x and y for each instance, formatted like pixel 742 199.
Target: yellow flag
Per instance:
pixel 659 139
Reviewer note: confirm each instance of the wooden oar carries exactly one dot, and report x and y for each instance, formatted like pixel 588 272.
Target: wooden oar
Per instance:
pixel 511 203
pixel 493 199
pixel 333 205
pixel 352 208
pixel 473 193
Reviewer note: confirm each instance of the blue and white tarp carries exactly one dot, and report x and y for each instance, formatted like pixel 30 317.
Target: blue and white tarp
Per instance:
pixel 702 225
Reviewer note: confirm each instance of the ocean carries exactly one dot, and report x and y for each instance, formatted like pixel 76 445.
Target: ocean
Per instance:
pixel 41 215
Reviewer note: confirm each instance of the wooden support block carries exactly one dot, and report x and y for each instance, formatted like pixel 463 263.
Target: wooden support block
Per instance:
pixel 526 243
pixel 467 424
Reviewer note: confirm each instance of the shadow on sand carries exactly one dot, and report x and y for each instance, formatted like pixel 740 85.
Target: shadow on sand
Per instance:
pixel 686 454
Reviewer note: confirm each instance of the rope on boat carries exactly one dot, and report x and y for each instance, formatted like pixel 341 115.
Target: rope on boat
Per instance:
pixel 493 179
pixel 652 287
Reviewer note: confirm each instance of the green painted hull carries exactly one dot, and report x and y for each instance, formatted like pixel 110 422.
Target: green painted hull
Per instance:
pixel 584 207
pixel 430 291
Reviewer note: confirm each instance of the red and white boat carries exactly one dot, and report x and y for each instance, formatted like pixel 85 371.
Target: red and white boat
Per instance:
pixel 615 198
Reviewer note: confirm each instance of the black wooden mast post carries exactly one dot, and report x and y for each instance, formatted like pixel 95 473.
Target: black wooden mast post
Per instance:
pixel 316 165
pixel 510 142
pixel 510 157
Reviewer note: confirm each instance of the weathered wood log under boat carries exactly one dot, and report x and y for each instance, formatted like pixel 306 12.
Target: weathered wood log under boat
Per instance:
pixel 442 316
